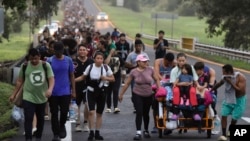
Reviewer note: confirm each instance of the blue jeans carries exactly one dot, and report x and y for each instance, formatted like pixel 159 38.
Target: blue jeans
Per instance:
pixel 29 110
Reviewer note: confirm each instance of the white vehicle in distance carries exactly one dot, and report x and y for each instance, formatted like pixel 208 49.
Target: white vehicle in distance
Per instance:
pixel 102 16
pixel 52 28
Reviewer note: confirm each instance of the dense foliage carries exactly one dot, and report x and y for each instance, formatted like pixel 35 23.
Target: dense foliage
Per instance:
pixel 230 17
pixel 7 126
pixel 19 11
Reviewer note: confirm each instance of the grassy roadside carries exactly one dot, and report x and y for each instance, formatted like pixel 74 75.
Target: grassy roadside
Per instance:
pixel 18 44
pixel 13 50
pixel 6 126
pixel 142 22
pixel 183 27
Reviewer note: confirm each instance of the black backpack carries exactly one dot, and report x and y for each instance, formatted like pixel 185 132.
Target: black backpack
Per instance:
pixel 95 83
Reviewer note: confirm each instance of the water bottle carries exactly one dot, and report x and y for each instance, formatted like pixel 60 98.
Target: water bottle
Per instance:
pixel 73 111
pixel 217 125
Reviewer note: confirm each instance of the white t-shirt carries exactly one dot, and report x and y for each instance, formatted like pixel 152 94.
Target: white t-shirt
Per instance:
pixel 95 73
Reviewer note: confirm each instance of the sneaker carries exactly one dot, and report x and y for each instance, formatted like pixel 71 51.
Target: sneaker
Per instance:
pixel 91 136
pixel 108 110
pixel 146 134
pixel 154 130
pixel 34 131
pixel 63 132
pixel 137 137
pixel 222 138
pixel 117 110
pixel 98 137
pixel 56 138
pixel 78 128
pixel 85 127
pixel 46 117
pixel 228 133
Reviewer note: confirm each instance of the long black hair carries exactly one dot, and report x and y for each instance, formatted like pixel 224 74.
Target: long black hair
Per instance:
pixel 188 68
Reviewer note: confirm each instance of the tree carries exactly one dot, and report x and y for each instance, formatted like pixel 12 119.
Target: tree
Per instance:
pixel 132 4
pixel 230 17
pixel 37 9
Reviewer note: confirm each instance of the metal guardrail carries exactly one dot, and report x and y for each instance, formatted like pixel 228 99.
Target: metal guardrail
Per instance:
pixel 232 54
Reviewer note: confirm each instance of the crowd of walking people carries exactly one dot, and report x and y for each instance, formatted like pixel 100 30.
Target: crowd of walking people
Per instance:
pixel 90 67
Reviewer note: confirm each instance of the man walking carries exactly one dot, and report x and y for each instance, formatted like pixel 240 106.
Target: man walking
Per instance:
pixel 234 102
pixel 64 88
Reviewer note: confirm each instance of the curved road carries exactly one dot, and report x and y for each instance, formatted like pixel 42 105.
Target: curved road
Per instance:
pixel 122 126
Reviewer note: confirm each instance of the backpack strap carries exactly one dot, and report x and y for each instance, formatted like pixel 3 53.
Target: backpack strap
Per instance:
pixel 105 67
pixel 90 68
pixel 45 70
pixel 25 64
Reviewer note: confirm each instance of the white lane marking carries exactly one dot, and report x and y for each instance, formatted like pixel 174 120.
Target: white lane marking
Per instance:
pixel 247 119
pixel 69 134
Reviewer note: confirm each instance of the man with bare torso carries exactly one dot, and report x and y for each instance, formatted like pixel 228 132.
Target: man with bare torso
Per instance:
pixel 234 102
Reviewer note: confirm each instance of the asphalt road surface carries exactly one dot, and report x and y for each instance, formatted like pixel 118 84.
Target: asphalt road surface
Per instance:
pixel 122 126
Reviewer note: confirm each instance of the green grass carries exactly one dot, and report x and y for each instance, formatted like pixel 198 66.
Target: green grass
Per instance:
pixel 7 128
pixel 19 42
pixel 142 22
pixel 190 27
pixel 17 45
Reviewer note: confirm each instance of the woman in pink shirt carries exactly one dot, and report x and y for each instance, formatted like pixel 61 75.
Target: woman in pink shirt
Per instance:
pixel 143 76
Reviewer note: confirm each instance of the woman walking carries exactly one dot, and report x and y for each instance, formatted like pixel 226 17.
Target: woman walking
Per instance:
pixel 143 76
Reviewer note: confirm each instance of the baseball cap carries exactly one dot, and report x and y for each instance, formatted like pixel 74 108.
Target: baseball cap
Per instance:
pixel 142 57
pixel 58 47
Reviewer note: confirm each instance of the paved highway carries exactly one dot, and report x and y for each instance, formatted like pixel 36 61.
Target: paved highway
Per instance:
pixel 122 126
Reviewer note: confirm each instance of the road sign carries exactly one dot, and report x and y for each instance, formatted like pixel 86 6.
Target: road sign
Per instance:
pixel 1 20
pixel 171 16
pixel 164 16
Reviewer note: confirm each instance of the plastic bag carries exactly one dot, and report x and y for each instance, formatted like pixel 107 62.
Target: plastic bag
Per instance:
pixel 17 114
pixel 171 123
pixel 217 125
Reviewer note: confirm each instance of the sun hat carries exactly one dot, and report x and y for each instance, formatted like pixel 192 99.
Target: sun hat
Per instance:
pixel 142 57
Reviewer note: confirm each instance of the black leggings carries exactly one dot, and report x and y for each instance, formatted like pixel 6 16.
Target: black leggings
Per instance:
pixel 113 88
pixel 142 106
